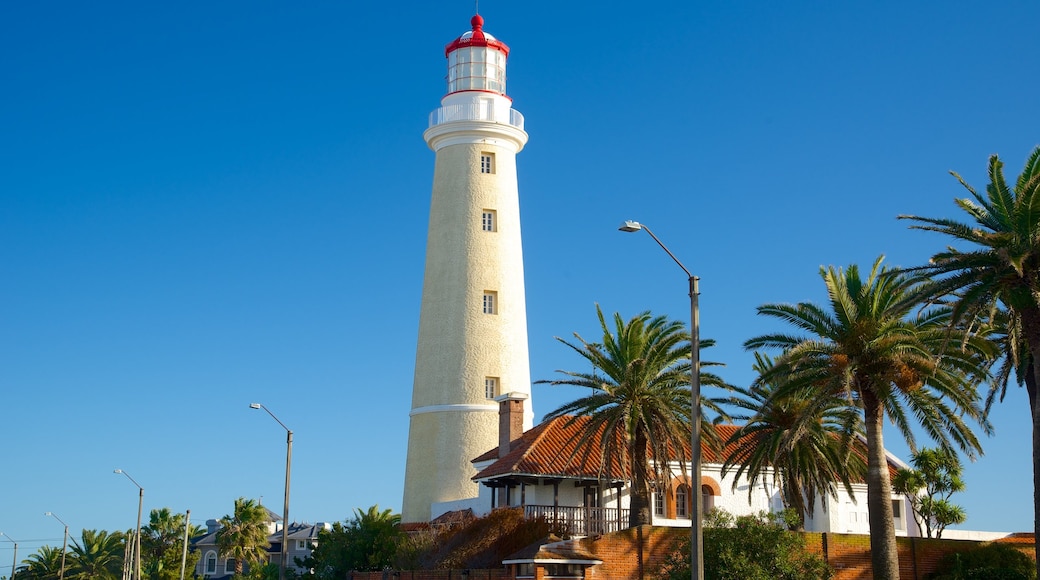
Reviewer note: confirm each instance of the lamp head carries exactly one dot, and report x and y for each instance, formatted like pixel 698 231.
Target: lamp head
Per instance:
pixel 117 471
pixel 255 405
pixel 630 226
pixel 48 513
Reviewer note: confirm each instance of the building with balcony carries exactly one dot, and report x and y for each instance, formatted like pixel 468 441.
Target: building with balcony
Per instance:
pixel 542 471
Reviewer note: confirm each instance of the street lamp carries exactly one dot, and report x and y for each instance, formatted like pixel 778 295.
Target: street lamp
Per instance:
pixel 137 540
pixel 285 508
pixel 184 552
pixel 64 544
pixel 696 533
pixel 14 562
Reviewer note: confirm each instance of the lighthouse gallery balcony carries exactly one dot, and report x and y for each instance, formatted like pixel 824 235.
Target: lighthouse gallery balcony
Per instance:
pixel 474 112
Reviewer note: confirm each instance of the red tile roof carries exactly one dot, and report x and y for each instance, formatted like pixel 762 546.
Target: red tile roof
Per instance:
pixel 548 450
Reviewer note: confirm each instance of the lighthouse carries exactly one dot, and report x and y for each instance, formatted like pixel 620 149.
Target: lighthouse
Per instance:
pixel 472 346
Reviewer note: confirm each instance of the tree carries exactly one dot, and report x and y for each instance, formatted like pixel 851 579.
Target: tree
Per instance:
pixel 44 564
pixel 802 440
pixel 243 535
pixel 367 542
pixel 162 545
pixel 99 556
pixel 873 349
pixel 999 271
pixel 640 383
pixel 758 547
pixel 935 477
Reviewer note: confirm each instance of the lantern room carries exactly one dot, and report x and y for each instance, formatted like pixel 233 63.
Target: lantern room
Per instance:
pixel 477 61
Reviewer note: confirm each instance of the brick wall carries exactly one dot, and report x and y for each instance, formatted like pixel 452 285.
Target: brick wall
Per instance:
pixel 625 552
pixel 636 553
pixel 496 574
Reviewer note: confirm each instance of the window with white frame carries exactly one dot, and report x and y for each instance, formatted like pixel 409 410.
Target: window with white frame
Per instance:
pixel 490 387
pixel 682 502
pixel 211 563
pixel 229 566
pixel 301 544
pixel 897 514
pixel 488 221
pixel 659 504
pixel 487 162
pixel 490 302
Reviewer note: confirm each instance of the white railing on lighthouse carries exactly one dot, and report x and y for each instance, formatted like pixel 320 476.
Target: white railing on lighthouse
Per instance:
pixel 473 112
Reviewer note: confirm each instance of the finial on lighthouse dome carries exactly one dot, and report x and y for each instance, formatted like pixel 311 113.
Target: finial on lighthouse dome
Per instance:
pixel 476 61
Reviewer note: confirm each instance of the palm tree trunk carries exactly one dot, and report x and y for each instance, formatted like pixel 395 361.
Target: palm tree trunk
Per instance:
pixel 1036 473
pixel 639 512
pixel 883 552
pixel 793 497
pixel 1032 380
pixel 1031 330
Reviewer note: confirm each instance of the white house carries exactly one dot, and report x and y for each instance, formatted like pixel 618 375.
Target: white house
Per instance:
pixel 539 471
pixel 302 537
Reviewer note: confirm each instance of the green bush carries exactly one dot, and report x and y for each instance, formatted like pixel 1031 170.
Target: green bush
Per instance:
pixel 986 562
pixel 748 548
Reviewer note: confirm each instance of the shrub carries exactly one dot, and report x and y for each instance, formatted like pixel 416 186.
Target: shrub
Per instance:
pixel 986 562
pixel 748 548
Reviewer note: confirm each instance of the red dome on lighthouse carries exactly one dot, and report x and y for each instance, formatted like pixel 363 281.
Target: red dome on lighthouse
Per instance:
pixel 476 37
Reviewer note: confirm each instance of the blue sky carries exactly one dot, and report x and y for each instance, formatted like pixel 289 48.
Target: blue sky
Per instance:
pixel 204 205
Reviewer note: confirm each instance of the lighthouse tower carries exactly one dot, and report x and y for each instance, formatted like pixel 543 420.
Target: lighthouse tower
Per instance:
pixel 472 344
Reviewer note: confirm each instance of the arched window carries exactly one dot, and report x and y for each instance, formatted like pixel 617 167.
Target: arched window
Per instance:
pixel 211 563
pixel 682 501
pixel 707 498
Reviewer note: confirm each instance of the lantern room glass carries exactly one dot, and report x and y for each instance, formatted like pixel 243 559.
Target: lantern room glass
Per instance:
pixel 477 68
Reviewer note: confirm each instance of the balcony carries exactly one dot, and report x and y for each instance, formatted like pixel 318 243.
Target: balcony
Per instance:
pixel 475 112
pixel 581 521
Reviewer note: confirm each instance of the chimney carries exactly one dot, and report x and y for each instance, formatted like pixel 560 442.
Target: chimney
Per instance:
pixel 510 420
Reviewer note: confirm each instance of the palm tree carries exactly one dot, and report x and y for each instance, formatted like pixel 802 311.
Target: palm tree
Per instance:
pixel 162 544
pixel 640 401
pixel 98 557
pixel 45 564
pixel 999 272
pixel 375 535
pixel 243 535
pixel 803 440
pixel 873 350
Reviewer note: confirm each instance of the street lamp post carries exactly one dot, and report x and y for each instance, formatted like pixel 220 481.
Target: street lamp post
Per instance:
pixel 14 562
pixel 137 540
pixel 64 544
pixel 184 552
pixel 285 508
pixel 697 532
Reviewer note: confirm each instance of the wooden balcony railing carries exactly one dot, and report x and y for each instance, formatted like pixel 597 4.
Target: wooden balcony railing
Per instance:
pixel 581 521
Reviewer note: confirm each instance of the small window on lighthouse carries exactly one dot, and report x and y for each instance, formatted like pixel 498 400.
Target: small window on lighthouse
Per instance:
pixel 487 162
pixel 491 387
pixel 487 221
pixel 490 302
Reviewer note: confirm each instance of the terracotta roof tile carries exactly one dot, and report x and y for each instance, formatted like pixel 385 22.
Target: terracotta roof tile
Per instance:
pixel 548 450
